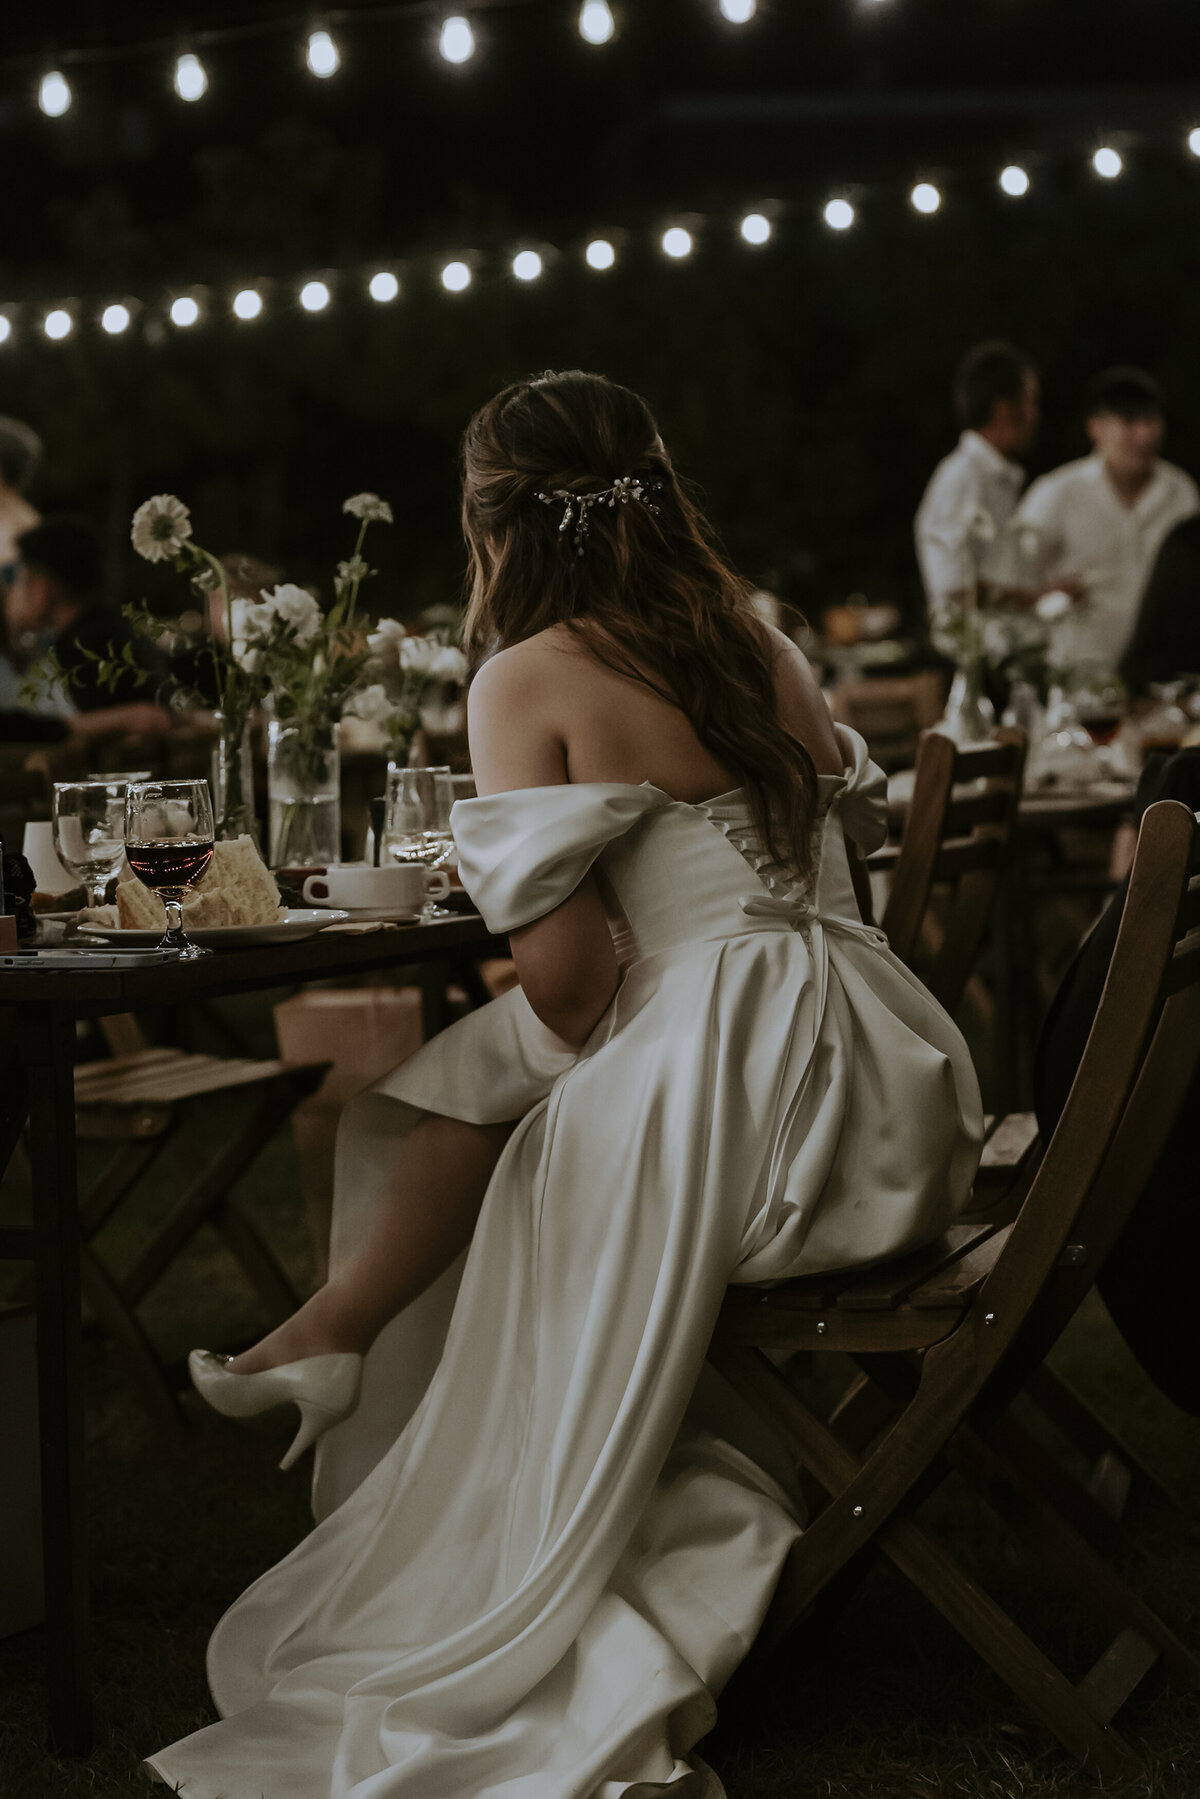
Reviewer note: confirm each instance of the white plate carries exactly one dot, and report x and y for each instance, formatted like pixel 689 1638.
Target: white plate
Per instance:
pixel 377 915
pixel 288 928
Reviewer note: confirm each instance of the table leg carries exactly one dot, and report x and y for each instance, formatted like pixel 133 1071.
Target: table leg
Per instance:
pixel 48 1040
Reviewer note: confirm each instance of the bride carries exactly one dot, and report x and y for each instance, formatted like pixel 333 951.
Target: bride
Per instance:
pixel 546 1536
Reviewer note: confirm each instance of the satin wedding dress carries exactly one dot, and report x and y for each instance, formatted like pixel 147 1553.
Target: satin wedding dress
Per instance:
pixel 544 1541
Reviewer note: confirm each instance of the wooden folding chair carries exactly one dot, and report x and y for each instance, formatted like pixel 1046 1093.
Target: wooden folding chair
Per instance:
pixel 136 1098
pixel 949 1336
pixel 956 839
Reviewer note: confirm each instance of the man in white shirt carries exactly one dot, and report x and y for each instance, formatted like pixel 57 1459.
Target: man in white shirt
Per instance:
pixel 1101 521
pixel 963 522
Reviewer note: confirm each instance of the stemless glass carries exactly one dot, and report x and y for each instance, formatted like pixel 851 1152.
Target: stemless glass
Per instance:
pixel 169 844
pixel 89 831
pixel 416 821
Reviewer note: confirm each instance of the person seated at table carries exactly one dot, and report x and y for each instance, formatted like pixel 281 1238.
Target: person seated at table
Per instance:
pixel 541 1552
pixel 55 598
pixel 1166 635
pixel 1100 521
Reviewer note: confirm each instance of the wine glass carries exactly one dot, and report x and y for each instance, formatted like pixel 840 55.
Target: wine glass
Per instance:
pixel 1100 706
pixel 89 831
pixel 169 844
pixel 416 821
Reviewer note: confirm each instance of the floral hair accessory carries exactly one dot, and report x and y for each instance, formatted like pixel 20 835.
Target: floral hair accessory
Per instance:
pixel 577 506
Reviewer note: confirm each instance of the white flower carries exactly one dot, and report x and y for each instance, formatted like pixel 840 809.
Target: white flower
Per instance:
pixel 374 705
pixel 1052 606
pixel 368 506
pixel 248 660
pixel 418 654
pixel 449 664
pixel 388 634
pixel 354 570
pixel 295 606
pixel 160 526
pixel 251 620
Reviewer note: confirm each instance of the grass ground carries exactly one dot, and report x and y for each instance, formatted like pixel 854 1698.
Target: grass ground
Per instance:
pixel 882 1702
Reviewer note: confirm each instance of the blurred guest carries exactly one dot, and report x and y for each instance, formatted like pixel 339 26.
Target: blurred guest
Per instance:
pixel 20 453
pixel 996 394
pixel 1101 521
pixel 56 594
pixel 1166 636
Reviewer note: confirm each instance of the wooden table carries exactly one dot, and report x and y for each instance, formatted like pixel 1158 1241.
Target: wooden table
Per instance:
pixel 40 1086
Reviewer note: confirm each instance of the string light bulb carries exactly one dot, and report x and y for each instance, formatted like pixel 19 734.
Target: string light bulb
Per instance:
pixel 677 242
pixel 315 296
pixel 5 329
pixel 596 22
pixel 925 197
pixel 1107 162
pixel 457 40
pixel 322 55
pixel 191 81
pixel 184 311
pixel 383 287
pixel 57 324
pixel 756 228
pixel 54 94
pixel 115 319
pixel 839 215
pixel 247 304
pixel 739 12
pixel 455 277
pixel 1193 141
pixel 527 265
pixel 1014 180
pixel 600 254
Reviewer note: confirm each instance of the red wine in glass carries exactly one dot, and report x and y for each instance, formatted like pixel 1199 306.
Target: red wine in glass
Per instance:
pixel 1101 725
pixel 171 862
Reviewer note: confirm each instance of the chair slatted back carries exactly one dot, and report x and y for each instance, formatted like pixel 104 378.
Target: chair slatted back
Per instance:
pixel 956 836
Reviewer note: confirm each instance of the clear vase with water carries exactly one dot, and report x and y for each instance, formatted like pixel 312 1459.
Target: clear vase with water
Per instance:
pixel 304 795
pixel 233 782
pixel 969 716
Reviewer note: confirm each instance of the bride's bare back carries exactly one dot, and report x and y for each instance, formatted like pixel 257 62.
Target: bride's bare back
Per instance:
pixel 547 710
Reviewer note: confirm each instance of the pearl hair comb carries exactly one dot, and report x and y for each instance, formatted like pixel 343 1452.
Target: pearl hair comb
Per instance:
pixel 577 506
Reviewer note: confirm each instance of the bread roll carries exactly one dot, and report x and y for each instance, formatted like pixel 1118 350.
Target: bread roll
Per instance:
pixel 235 888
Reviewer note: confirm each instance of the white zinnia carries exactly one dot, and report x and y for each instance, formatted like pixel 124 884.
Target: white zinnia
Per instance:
pixel 160 526
pixel 417 655
pixel 368 506
pixel 296 607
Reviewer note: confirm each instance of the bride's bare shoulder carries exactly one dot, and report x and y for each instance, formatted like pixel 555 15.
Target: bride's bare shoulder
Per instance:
pixel 802 707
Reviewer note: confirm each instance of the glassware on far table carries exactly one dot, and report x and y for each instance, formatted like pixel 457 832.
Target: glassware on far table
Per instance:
pixel 89 831
pixel 169 844
pixel 416 821
pixel 1166 724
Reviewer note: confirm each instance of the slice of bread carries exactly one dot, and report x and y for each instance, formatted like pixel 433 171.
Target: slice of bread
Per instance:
pixel 236 888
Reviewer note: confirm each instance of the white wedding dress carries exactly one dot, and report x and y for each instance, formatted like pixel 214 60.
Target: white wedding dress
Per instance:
pixel 540 1552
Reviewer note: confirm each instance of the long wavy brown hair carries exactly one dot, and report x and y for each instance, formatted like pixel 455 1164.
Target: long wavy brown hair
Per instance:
pixel 651 596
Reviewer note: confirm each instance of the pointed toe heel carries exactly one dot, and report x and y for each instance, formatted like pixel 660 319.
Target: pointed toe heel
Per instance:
pixel 324 1387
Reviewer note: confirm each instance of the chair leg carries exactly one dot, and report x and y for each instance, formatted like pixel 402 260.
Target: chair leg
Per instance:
pixel 130 1341
pixel 207 1201
pixel 1032 1676
pixel 1114 1465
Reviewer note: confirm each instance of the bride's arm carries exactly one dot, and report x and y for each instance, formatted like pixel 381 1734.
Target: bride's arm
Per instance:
pixel 565 961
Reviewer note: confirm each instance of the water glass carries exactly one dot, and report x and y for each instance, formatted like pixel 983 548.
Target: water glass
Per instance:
pixel 89 831
pixel 416 820
pixel 169 844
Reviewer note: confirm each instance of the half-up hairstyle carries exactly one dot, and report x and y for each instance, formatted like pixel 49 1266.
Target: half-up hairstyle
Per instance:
pixel 650 596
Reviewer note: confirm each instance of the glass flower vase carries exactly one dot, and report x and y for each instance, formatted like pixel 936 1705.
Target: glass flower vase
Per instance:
pixel 970 716
pixel 233 782
pixel 303 795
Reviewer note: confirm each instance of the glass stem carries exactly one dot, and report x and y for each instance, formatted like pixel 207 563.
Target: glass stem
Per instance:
pixel 172 899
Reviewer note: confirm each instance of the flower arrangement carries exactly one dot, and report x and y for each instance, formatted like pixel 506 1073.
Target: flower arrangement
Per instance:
pixel 409 667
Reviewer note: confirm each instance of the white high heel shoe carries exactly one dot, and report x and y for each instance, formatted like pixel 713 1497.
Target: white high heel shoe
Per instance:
pixel 325 1387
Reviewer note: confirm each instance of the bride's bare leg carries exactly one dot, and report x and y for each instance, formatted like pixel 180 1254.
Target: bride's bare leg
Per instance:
pixel 428 1217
